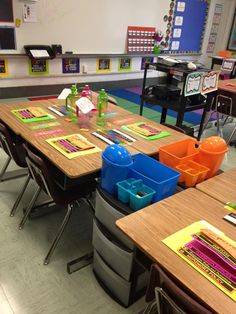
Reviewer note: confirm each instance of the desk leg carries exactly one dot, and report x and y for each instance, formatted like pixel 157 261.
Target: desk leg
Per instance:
pixel 163 115
pixel 141 108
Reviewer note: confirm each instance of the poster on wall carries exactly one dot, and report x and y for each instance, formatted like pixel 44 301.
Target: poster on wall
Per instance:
pixel 30 13
pixel 146 60
pixel 38 67
pixel 214 28
pixel 125 64
pixel 6 11
pixel 103 65
pixel 3 68
pixel 70 65
pixel 193 84
pixel 232 37
pixel 210 82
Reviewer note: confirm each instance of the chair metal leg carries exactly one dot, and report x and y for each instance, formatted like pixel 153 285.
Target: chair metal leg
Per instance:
pixel 141 108
pixel 29 208
pixel 4 168
pixel 14 208
pixel 231 135
pixel 59 234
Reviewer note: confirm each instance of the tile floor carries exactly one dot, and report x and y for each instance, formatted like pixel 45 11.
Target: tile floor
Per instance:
pixel 29 287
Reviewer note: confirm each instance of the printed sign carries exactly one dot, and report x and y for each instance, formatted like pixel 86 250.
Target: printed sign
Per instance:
pixel 227 65
pixel 180 6
pixel 38 67
pixel 125 64
pixel 146 60
pixel 210 82
pixel 193 84
pixel 179 20
pixel 104 65
pixel 70 65
pixel 3 68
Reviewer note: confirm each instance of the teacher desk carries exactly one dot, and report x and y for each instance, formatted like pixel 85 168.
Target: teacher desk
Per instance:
pixel 149 226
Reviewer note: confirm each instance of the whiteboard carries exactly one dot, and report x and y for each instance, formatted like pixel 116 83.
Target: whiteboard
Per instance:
pixel 96 26
pixel 88 26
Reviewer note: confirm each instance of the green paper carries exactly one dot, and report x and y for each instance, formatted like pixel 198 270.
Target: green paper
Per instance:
pixel 153 137
pixel 25 120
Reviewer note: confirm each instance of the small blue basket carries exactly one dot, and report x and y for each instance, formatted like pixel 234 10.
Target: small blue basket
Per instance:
pixel 136 201
pixel 155 175
pixel 124 188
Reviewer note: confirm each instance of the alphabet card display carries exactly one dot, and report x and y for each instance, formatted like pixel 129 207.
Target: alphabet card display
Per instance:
pixel 74 145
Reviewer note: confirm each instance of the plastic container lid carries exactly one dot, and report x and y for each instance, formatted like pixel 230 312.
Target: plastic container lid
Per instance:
pixel 213 144
pixel 117 155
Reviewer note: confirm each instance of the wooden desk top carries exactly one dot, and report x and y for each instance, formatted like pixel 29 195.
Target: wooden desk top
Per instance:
pixel 149 226
pixel 145 146
pixel 75 167
pixel 221 187
pixel 227 85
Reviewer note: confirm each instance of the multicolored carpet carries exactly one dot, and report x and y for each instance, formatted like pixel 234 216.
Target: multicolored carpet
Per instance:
pixel 129 99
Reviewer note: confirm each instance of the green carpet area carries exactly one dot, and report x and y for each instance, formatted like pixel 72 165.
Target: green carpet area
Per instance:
pixel 147 113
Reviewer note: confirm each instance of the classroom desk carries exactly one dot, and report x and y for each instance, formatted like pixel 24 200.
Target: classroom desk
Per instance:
pixel 228 88
pixel 221 187
pixel 145 146
pixel 149 226
pixel 73 168
pixel 91 163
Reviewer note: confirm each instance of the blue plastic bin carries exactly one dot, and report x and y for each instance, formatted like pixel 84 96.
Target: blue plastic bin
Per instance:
pixel 137 202
pixel 124 188
pixel 116 163
pixel 154 174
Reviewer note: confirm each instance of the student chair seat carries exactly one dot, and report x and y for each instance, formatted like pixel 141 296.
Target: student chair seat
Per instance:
pixel 43 176
pixel 167 297
pixel 14 149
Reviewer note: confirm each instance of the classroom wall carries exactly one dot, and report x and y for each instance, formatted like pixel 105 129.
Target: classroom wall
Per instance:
pixel 18 65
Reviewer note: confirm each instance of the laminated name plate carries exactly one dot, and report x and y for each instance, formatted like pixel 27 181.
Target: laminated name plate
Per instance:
pixel 210 252
pixel 32 114
pixel 114 137
pixel 145 130
pixel 74 145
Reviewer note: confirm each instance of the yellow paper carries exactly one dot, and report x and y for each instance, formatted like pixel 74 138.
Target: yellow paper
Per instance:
pixel 73 140
pixel 4 68
pixel 179 239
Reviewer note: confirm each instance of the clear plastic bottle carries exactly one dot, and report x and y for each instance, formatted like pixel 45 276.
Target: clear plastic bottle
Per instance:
pixel 83 118
pixel 102 103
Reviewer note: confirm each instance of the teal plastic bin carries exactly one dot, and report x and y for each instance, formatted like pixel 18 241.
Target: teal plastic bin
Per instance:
pixel 124 188
pixel 155 175
pixel 141 197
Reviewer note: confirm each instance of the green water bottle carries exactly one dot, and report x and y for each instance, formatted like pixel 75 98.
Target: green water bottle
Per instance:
pixel 102 103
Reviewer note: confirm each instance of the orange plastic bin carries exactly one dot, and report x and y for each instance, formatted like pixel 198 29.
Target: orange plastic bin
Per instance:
pixel 211 154
pixel 192 173
pixel 179 153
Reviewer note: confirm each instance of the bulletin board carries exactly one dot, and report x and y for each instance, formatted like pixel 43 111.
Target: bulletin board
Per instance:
pixel 97 27
pixel 186 26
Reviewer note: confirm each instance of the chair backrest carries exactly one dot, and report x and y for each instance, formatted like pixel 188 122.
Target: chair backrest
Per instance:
pixel 39 171
pixel 11 147
pixel 224 105
pixel 171 298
